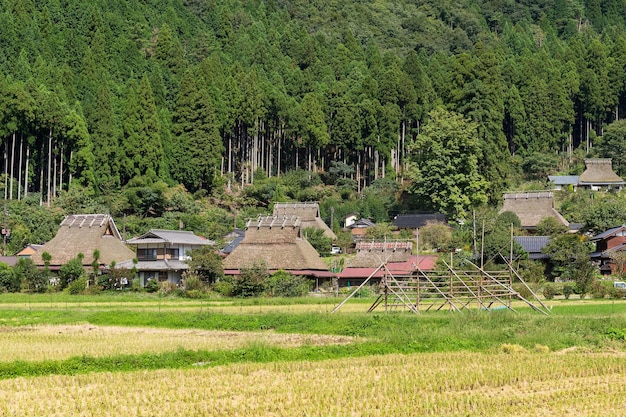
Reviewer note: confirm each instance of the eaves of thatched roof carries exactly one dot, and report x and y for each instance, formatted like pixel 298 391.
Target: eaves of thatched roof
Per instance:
pixel 372 254
pixel 84 233
pixel 599 171
pixel 532 207
pixel 277 244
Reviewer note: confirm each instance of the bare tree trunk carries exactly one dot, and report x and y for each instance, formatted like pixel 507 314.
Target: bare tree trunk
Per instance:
pixel 61 170
pixel 230 159
pixel 69 181
pixel 12 166
pixel 19 170
pixel 49 162
pixel 26 171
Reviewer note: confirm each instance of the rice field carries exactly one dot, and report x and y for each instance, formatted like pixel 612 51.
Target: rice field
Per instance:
pixel 451 384
pixel 572 364
pixel 38 343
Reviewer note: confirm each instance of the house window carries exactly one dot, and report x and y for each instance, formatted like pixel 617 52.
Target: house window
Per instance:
pixel 146 254
pixel 172 253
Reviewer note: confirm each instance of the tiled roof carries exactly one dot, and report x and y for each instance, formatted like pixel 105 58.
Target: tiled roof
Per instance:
pixel 414 221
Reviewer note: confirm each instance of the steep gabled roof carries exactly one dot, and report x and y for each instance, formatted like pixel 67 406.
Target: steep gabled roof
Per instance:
pixel 599 171
pixel 84 233
pixel 276 242
pixel 414 221
pixel 531 207
pixel 372 254
pixel 176 237
pixel 308 213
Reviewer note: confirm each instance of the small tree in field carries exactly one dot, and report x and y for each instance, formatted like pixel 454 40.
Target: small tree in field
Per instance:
pixel 72 271
pixel 251 281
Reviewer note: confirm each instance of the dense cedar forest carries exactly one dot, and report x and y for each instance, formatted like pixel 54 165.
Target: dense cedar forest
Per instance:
pixel 146 108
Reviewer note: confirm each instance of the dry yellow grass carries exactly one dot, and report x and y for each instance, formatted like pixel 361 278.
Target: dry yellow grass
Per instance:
pixel 36 343
pixel 455 384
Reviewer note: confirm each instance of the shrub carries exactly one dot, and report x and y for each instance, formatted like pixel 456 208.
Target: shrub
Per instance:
pixel 192 282
pixel 250 282
pixel 549 291
pixel 599 290
pixel 167 287
pixel 224 287
pixel 568 290
pixel 152 285
pixel 77 286
pixel 284 284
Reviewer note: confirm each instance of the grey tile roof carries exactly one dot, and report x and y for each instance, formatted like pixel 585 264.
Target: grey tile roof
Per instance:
pixel 181 237
pixel 413 221
pixel 533 245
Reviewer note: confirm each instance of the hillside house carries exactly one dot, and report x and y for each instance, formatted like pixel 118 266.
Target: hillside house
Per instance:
pixel 417 221
pixel 28 251
pixel 308 213
pixel 599 175
pixel 277 243
pixel 609 246
pixel 161 254
pixel 85 233
pixel 532 207
pixel 358 229
pixel 533 245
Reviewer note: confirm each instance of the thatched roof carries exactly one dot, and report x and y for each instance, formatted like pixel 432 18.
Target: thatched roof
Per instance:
pixel 84 233
pixel 309 214
pixel 599 171
pixel 532 207
pixel 372 254
pixel 276 242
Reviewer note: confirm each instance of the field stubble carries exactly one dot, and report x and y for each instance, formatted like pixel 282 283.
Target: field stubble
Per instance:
pixel 452 384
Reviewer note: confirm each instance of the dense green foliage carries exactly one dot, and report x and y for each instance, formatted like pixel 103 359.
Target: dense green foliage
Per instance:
pixel 139 95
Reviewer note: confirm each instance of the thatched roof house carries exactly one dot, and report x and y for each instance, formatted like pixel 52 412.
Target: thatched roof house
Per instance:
pixel 84 233
pixel 395 255
pixel 372 254
pixel 309 214
pixel 532 207
pixel 599 173
pixel 277 242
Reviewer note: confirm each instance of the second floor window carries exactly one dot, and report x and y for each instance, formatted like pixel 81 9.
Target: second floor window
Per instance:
pixel 146 254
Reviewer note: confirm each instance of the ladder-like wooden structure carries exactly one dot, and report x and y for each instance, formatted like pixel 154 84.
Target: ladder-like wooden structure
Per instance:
pixel 450 289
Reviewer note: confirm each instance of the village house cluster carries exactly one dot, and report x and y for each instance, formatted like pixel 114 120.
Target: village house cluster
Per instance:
pixel 278 242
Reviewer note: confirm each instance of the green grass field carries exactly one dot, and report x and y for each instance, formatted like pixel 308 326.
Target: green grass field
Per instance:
pixel 112 335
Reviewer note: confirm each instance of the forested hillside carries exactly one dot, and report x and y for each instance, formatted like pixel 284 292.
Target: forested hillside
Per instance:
pixel 121 102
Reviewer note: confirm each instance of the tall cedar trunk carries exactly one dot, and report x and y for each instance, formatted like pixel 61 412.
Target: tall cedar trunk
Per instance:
pixel 6 172
pixel 49 162
pixel 230 160
pixel 12 166
pixel 280 135
pixel 19 169
pixel 26 170
pixel 69 180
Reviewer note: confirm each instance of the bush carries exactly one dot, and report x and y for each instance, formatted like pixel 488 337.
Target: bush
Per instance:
pixel 224 287
pixel 250 282
pixel 284 284
pixel 599 289
pixel 152 285
pixel 549 291
pixel 568 290
pixel 77 286
pixel 168 287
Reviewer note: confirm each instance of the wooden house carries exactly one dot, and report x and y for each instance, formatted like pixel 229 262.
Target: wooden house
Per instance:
pixel 277 243
pixel 161 254
pixel 532 207
pixel 358 229
pixel 607 245
pixel 308 213
pixel 85 233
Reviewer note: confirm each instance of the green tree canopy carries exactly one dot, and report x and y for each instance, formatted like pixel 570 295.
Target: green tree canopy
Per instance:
pixel 444 165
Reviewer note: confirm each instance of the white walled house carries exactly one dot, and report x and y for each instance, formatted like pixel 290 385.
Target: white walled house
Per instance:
pixel 161 254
